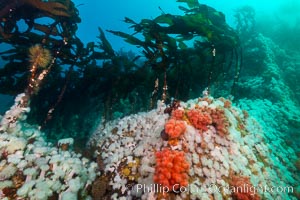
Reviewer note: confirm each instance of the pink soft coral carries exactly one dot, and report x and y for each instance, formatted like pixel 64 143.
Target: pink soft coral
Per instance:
pixel 171 169
pixel 220 121
pixel 178 114
pixel 199 119
pixel 242 189
pixel 174 128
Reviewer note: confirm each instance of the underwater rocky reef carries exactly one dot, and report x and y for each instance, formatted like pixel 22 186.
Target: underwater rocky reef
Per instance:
pixel 204 148
pixel 32 168
pixel 204 111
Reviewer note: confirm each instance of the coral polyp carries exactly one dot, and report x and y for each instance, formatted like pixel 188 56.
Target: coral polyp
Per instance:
pixel 171 169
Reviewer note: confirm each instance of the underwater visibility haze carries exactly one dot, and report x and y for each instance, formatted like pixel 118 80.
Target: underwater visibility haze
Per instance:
pixel 173 99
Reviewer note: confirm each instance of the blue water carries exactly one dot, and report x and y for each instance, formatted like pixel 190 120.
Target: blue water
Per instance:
pixel 109 15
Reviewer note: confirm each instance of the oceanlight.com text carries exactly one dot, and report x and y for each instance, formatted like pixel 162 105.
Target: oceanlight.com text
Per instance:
pixel 212 188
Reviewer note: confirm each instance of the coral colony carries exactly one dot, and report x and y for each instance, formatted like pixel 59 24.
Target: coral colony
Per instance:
pixel 31 168
pixel 204 149
pixel 201 149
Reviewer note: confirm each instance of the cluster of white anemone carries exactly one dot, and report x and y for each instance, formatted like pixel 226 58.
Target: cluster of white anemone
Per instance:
pixel 242 152
pixel 49 170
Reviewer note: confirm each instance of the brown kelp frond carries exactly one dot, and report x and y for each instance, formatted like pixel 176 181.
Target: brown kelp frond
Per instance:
pixel 51 7
pixel 55 8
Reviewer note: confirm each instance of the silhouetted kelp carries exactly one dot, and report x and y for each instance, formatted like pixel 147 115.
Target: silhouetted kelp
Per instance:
pixel 166 43
pixel 63 19
pixel 186 53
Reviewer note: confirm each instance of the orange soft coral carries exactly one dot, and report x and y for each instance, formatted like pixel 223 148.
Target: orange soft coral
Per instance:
pixel 178 114
pixel 220 121
pixel 242 189
pixel 199 119
pixel 174 128
pixel 171 169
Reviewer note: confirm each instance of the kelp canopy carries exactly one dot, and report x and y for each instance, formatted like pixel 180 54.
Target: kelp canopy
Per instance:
pixel 62 12
pixel 192 48
pixel 181 55
pixel 52 24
